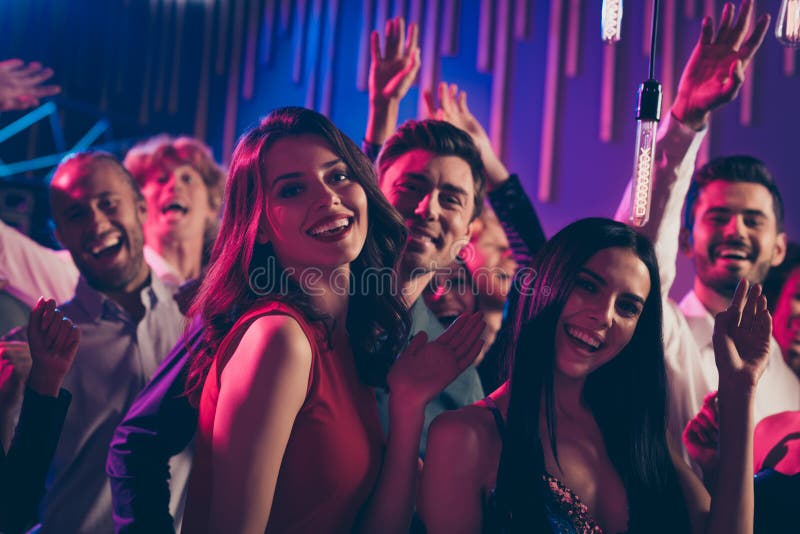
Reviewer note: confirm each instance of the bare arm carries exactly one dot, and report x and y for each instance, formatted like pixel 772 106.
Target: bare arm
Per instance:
pixel 390 76
pixel 741 349
pixel 418 375
pixel 450 496
pixel 262 389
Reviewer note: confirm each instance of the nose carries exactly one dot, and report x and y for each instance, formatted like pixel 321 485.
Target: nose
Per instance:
pixel 327 196
pixel 174 182
pixel 736 227
pixel 428 208
pixel 99 220
pixel 602 311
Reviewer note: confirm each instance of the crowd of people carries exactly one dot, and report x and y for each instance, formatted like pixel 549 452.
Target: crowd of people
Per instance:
pixel 334 338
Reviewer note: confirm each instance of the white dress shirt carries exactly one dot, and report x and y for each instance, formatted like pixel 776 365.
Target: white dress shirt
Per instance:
pixel 690 365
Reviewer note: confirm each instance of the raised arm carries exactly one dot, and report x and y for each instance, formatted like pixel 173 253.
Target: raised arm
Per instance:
pixel 505 192
pixel 53 344
pixel 741 350
pixel 711 78
pixel 391 74
pixel 32 270
pixel 21 85
pixel 419 374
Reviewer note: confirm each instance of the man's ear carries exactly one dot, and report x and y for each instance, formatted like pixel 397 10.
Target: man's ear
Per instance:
pixel 685 242
pixel 779 250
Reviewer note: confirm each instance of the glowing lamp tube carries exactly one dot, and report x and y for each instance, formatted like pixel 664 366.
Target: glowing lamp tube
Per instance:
pixel 611 23
pixel 648 113
pixel 787 30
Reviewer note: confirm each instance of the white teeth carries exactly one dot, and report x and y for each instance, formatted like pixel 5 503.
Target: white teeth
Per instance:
pixel 107 242
pixel 589 340
pixel 732 253
pixel 331 226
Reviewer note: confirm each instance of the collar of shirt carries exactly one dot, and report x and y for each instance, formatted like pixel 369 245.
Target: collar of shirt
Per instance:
pixel 161 268
pixel 699 319
pixel 97 305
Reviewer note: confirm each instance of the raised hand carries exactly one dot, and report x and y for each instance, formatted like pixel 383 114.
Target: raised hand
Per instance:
pixel 701 435
pixel 453 108
pixel 425 368
pixel 53 339
pixel 742 339
pixel 715 70
pixel 20 84
pixel 391 73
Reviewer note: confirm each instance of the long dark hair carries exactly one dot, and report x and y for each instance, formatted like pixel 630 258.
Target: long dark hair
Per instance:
pixel 627 395
pixel 377 320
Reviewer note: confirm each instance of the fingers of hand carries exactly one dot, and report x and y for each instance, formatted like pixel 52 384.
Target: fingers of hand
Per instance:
pixel 750 307
pixel 416 343
pixel 375 46
pixel 413 38
pixel 753 43
pixel 726 20
pixel 430 103
pixel 707 31
pixel 742 24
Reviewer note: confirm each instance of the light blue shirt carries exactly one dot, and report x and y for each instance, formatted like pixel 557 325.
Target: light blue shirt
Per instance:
pixel 115 359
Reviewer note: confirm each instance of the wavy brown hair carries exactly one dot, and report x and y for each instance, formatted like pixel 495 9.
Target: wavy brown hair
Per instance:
pixel 377 320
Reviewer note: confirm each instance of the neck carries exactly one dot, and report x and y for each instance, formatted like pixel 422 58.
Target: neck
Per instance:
pixel 411 287
pixel 711 300
pixel 183 255
pixel 129 297
pixel 330 293
pixel 568 396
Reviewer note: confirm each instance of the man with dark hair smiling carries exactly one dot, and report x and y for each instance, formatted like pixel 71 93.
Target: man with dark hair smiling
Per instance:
pixel 432 173
pixel 733 227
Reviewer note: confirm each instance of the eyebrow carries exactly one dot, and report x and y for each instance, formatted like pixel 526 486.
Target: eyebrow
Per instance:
pixel 600 280
pixel 298 174
pixel 728 211
pixel 420 177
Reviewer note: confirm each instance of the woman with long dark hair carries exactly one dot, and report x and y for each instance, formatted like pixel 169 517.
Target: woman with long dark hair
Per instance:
pixel 301 317
pixel 576 441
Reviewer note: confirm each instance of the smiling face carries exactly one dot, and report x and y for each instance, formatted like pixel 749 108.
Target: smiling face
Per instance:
pixel 787 321
pixel 435 195
pixel 99 219
pixel 734 235
pixel 316 213
pixel 178 204
pixel 601 313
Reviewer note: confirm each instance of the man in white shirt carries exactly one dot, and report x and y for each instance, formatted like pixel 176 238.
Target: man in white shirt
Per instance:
pixel 733 226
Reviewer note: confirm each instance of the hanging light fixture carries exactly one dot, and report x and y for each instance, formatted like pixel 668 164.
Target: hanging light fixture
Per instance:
pixel 787 29
pixel 611 23
pixel 648 113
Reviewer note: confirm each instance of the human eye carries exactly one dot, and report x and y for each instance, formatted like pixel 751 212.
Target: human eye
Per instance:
pixel 290 190
pixel 628 308
pixel 407 185
pixel 586 285
pixel 339 176
pixel 107 204
pixel 753 222
pixel 162 179
pixel 452 200
pixel 186 178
